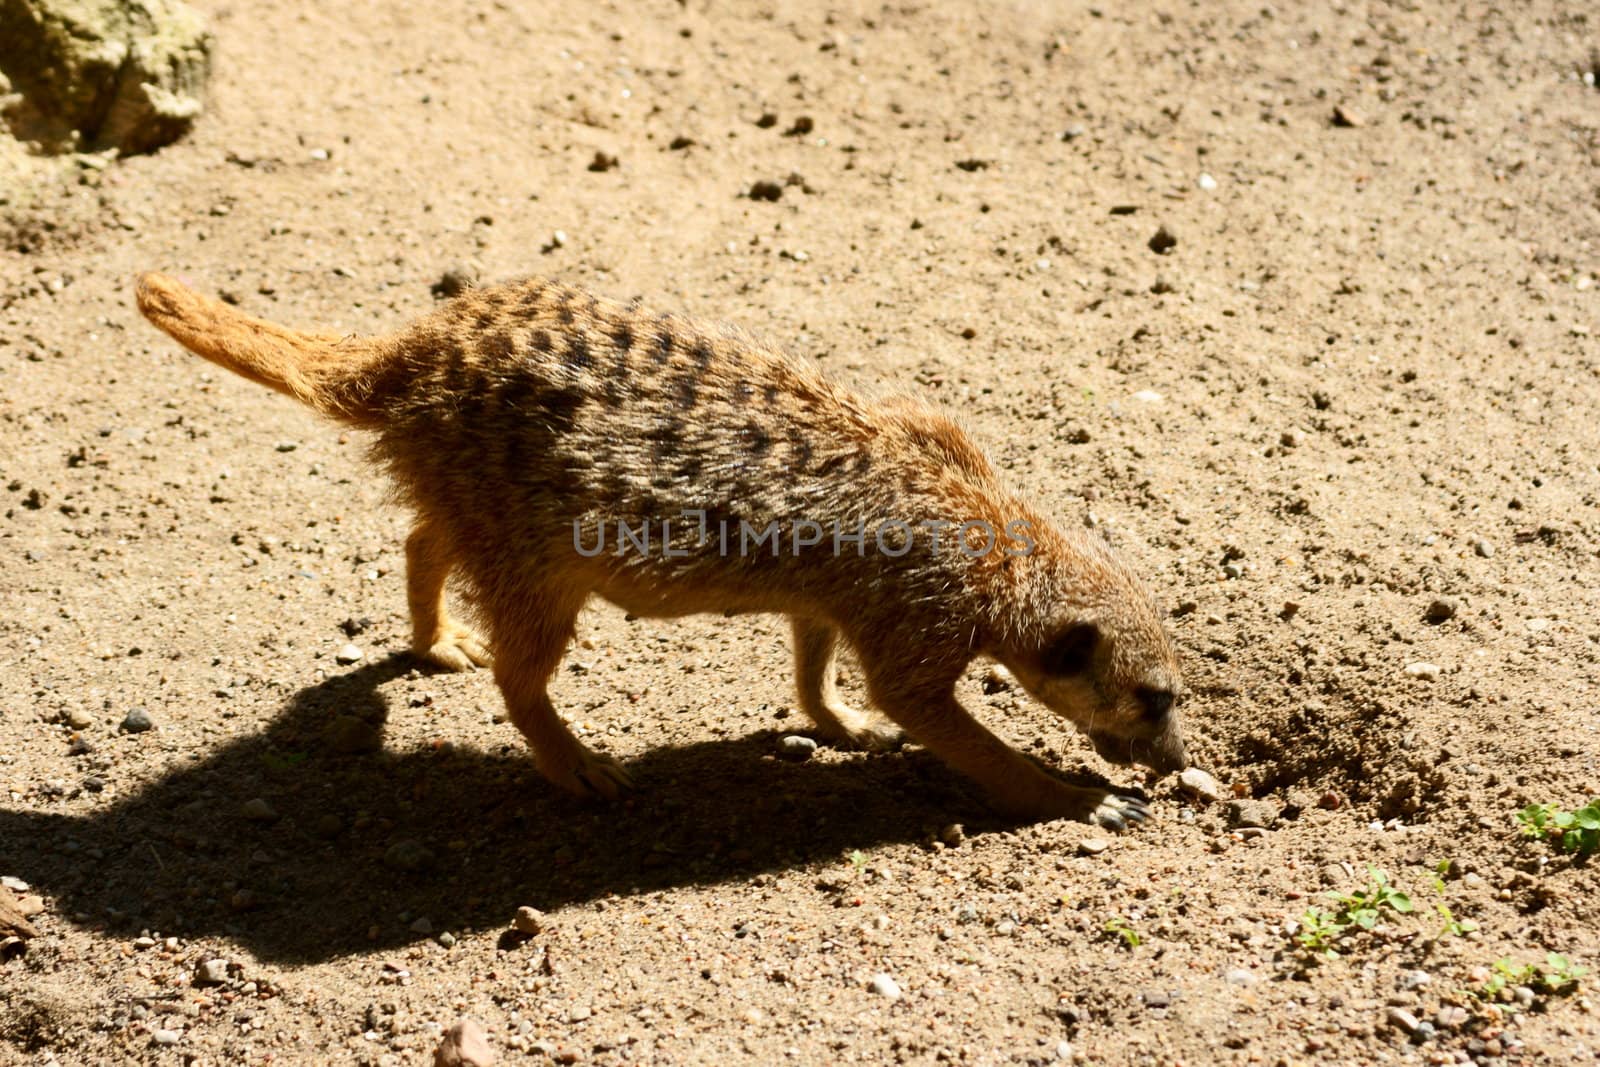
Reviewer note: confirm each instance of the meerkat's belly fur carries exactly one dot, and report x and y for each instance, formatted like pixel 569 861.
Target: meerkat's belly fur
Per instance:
pixel 555 446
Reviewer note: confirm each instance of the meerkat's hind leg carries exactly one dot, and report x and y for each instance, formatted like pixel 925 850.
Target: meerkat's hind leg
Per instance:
pixel 435 636
pixel 816 655
pixel 528 646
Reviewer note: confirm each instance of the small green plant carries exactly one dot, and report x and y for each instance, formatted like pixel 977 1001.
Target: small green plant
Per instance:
pixel 1321 930
pixel 858 860
pixel 1453 927
pixel 1570 831
pixel 1319 933
pixel 1365 907
pixel 1559 975
pixel 1123 930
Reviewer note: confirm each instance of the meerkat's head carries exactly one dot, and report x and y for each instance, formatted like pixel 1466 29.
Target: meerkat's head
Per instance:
pixel 1090 645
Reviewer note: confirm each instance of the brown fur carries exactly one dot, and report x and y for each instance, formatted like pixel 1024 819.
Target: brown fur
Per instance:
pixel 523 421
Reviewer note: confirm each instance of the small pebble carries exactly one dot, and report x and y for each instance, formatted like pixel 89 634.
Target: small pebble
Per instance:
pixel 1064 1051
pixel 78 719
pixel 446 939
pixel 884 986
pixel 137 721
pixel 1440 609
pixel 212 972
pixel 1148 396
pixel 258 810
pixel 1414 979
pixel 348 654
pixel 1093 846
pixel 953 835
pixel 422 926
pixel 796 749
pixel 1201 784
pixel 998 679
pixel 1450 1017
pixel 1402 1020
pixel 407 856
pixel 464 1045
pixel 1163 241
pixel 166 1037
pixel 1156 999
pixel 1483 548
pixel 528 920
pixel 1240 977
pixel 455 281
pixel 1256 813
pixel 1206 183
pixel 349 735
pixel 1428 672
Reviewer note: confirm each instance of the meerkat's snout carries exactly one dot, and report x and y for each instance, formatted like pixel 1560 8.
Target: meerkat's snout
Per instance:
pixel 1119 685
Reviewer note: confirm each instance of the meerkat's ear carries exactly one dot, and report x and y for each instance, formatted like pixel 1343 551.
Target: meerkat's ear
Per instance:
pixel 1070 651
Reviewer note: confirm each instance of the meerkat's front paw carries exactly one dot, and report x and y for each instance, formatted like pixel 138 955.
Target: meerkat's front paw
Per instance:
pixel 1118 813
pixel 456 648
pixel 1054 799
pixel 871 736
pixel 586 774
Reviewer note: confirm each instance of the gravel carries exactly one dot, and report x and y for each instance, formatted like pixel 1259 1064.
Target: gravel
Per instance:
pixel 528 920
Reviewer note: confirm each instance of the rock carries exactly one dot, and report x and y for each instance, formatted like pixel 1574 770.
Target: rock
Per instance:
pixel 350 736
pixel 446 939
pixel 885 986
pixel 1093 846
pixel 464 1045
pixel 1440 609
pixel 1240 977
pixel 1163 241
pixel 258 810
pixel 1451 1017
pixel 1064 1051
pixel 77 718
pixel 1155 998
pixel 1206 183
pixel 796 749
pixel 1252 813
pixel 765 190
pixel 423 926
pixel 137 721
pixel 528 921
pixel 1483 548
pixel 104 73
pixel 1201 784
pixel 407 856
pixel 212 972
pixel 1402 1020
pixel 166 1037
pixel 1428 672
pixel 953 835
pixel 348 654
pixel 1148 396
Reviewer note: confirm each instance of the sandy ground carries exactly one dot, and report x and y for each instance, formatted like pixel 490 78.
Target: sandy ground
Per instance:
pixel 1363 380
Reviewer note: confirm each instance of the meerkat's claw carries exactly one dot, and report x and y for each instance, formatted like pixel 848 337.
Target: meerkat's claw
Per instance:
pixel 874 737
pixel 1118 813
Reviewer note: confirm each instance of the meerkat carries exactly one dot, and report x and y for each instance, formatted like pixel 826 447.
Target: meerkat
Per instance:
pixel 556 446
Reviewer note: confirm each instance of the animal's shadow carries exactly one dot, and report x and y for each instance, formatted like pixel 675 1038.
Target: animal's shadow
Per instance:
pixel 363 845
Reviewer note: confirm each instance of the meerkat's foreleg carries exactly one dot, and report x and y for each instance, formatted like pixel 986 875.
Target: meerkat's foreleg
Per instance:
pixel 529 641
pixel 816 656
pixel 435 636
pixel 1017 786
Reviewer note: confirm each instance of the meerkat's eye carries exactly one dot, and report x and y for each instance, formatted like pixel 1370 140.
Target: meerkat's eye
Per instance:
pixel 1071 650
pixel 1154 703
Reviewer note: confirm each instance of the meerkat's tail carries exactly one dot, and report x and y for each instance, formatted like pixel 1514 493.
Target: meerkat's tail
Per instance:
pixel 324 371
